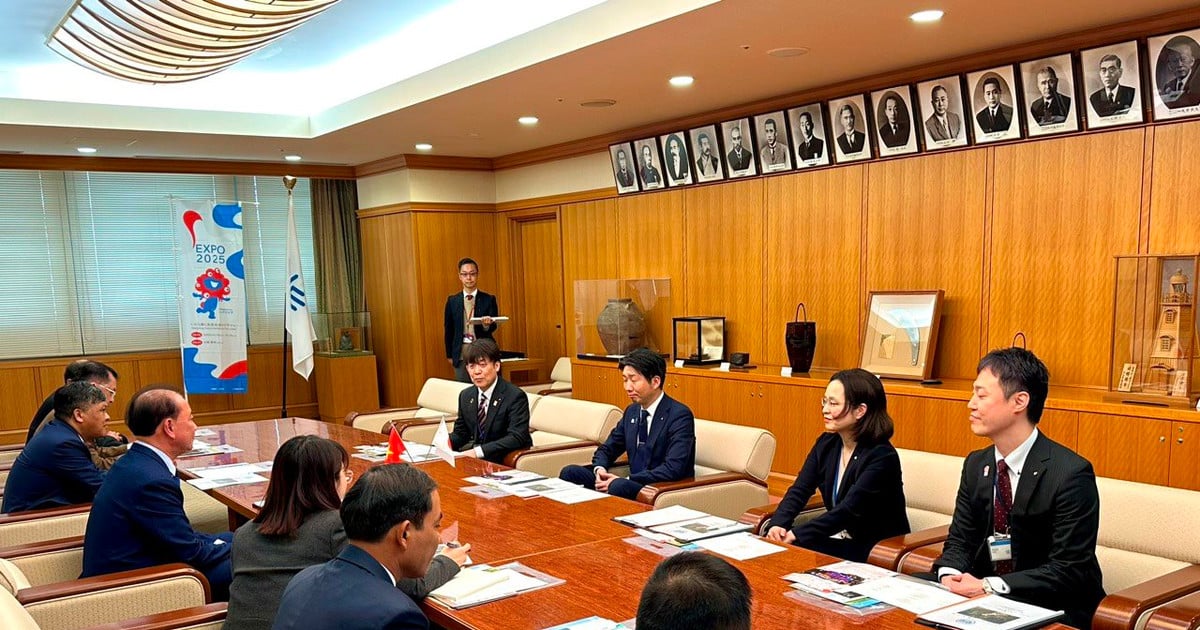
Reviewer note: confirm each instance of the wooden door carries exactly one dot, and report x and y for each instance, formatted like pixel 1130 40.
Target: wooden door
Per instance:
pixel 539 285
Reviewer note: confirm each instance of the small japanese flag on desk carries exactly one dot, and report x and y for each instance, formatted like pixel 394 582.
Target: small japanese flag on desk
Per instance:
pixel 441 443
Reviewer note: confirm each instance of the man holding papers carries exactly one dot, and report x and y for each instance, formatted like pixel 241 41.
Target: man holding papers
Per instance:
pixel 493 416
pixel 658 433
pixel 1027 513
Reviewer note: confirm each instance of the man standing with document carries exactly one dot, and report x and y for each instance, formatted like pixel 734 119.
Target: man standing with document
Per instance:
pixel 461 308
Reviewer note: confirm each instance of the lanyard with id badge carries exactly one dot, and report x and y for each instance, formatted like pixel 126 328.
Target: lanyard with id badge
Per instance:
pixel 1000 543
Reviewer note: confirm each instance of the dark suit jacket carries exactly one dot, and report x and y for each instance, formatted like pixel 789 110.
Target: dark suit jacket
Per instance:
pixel 672 441
pixel 714 166
pixel 1004 116
pixel 138 521
pixel 625 178
pixel 1053 112
pixel 485 306
pixel 1175 98
pixel 848 147
pixel 47 408
pixel 870 500
pixel 650 176
pixel 1054 521
pixel 506 427
pixel 739 162
pixel 1105 107
pixel 350 592
pixel 810 151
pixel 55 468
pixel 680 174
pixel 898 139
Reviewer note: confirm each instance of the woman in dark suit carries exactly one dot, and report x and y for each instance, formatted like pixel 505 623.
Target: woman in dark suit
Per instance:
pixel 298 526
pixel 857 471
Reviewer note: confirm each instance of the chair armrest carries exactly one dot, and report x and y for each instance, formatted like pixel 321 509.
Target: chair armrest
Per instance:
pixel 920 560
pixel 649 494
pixel 512 458
pixel 1123 608
pixel 120 580
pixel 552 391
pixel 11 447
pixel 759 517
pixel 349 421
pixel 888 552
pixel 182 618
pixel 37 548
pixel 53 512
pixel 1181 614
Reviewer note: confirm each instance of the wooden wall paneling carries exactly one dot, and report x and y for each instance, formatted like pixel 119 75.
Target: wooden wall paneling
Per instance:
pixel 390 285
pixel 509 286
pixel 723 259
pixel 1127 448
pixel 18 400
pixel 925 232
pixel 813 234
pixel 1185 455
pixel 793 416
pixel 1062 210
pixel 1174 190
pixel 541 304
pixel 1062 426
pixel 725 400
pixel 651 245
pixel 589 253
pixel 601 384
pixel 265 389
pixel 936 425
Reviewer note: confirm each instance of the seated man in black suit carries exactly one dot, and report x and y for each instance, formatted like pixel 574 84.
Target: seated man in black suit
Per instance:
pixel 105 449
pixel 493 416
pixel 996 116
pixel 55 467
pixel 658 433
pixel 392 517
pixel 695 590
pixel 1027 514
pixel 1112 98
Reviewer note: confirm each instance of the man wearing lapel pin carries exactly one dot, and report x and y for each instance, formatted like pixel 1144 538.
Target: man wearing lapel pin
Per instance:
pixel 493 416
pixel 460 309
pixel 1027 513
pixel 658 433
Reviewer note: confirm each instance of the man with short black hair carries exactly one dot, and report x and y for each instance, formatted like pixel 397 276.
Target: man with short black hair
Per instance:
pixel 82 370
pixel 460 309
pixel 1112 98
pixel 695 590
pixel 493 415
pixel 995 116
pixel 392 517
pixel 658 433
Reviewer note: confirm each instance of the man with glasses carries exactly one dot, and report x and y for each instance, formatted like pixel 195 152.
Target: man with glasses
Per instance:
pixel 110 445
pixel 493 416
pixel 461 308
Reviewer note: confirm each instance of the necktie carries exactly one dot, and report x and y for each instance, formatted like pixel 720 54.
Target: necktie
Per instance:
pixel 640 455
pixel 1002 510
pixel 895 130
pixel 482 415
pixel 1112 97
pixel 470 297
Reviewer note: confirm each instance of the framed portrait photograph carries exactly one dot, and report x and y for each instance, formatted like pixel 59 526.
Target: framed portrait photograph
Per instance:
pixel 1050 95
pixel 1175 82
pixel 852 140
pixel 943 116
pixel 706 154
pixel 1112 80
pixel 901 334
pixel 677 162
pixel 624 167
pixel 774 151
pixel 649 163
pixel 894 121
pixel 995 102
pixel 739 148
pixel 807 124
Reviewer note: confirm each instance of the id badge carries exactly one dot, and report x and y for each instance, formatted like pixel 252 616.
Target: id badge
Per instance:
pixel 468 338
pixel 1000 547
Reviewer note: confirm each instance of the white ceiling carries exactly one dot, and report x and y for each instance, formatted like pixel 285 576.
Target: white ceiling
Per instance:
pixel 369 78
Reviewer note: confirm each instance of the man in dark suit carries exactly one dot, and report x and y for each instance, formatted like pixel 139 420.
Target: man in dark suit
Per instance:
pixel 55 467
pixel 893 128
pixel 707 164
pixel 624 175
pixel 650 176
pixel 996 116
pixel 677 160
pixel 460 309
pixel 695 590
pixel 1112 98
pixel 493 416
pixel 137 518
pixel 739 157
pixel 1027 513
pixel 809 147
pixel 1181 85
pixel 105 449
pixel 773 153
pixel 851 139
pixel 392 517
pixel 1051 107
pixel 658 433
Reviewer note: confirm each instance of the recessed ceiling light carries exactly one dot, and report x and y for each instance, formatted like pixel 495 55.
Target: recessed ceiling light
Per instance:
pixel 931 15
pixel 682 80
pixel 528 120
pixel 791 51
pixel 292 158
pixel 424 146
pixel 88 150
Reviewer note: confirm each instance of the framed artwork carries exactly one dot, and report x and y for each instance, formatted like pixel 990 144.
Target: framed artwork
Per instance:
pixel 942 113
pixel 807 124
pixel 649 163
pixel 901 334
pixel 995 102
pixel 348 339
pixel 852 140
pixel 774 151
pixel 1050 95
pixel 676 160
pixel 624 167
pixel 894 121
pixel 739 148
pixel 1112 79
pixel 1176 84
pixel 706 154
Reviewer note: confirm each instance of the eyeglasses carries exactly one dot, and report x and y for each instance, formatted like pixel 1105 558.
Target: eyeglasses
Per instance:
pixel 111 392
pixel 468 274
pixel 829 402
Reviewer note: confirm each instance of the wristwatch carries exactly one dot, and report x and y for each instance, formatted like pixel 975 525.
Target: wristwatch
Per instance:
pixel 987 587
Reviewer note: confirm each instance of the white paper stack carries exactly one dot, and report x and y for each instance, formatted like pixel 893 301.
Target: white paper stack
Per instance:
pixel 739 546
pixel 653 518
pixel 477 585
pixel 839 582
pixel 700 528
pixel 991 612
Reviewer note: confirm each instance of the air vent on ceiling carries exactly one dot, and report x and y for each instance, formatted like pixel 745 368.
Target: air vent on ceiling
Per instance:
pixel 598 103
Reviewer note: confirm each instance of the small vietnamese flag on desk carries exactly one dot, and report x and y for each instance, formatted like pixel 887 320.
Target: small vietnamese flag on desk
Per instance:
pixel 395 447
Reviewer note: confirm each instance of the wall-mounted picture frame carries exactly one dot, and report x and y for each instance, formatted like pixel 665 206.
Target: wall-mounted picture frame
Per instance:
pixel 995 102
pixel 943 117
pixel 852 138
pixel 649 163
pixel 677 161
pixel 901 334
pixel 738 135
pixel 624 167
pixel 774 150
pixel 348 339
pixel 1175 58
pixel 1050 95
pixel 1112 79
pixel 706 154
pixel 894 128
pixel 807 124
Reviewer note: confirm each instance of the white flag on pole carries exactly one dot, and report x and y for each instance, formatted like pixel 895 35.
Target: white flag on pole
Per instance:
pixel 297 318
pixel 441 443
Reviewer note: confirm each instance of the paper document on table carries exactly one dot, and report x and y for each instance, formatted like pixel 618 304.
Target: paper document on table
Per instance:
pixel 208 483
pixel 575 494
pixel 496 583
pixel 991 612
pixel 509 477
pixel 591 623
pixel 497 319
pixel 205 433
pixel 227 471
pixel 697 528
pixel 838 582
pixel 200 449
pixel 417 453
pixel 739 546
pixel 672 514
pixel 912 594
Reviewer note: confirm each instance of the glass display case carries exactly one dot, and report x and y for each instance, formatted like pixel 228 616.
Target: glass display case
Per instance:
pixel 342 333
pixel 614 317
pixel 1153 349
pixel 699 340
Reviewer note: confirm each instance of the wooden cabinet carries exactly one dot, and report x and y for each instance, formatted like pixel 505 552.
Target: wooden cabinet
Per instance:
pixel 345 383
pixel 1185 455
pixel 1135 449
pixel 598 383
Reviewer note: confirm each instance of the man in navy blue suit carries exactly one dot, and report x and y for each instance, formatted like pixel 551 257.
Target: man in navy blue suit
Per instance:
pixel 493 416
pixel 658 432
pixel 460 309
pixel 392 517
pixel 137 519
pixel 55 467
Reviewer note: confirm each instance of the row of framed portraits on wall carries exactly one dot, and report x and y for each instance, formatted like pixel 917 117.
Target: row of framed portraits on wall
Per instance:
pixel 1100 87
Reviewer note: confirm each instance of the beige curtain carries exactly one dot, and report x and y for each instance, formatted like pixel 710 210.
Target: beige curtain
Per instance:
pixel 336 246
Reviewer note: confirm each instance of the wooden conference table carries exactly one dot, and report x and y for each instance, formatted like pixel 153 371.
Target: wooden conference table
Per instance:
pixel 578 543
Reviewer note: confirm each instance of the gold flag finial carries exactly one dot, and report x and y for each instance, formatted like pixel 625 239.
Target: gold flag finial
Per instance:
pixel 289 182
